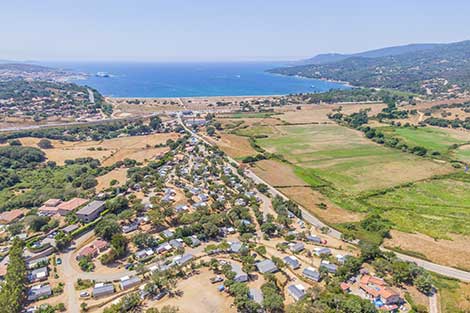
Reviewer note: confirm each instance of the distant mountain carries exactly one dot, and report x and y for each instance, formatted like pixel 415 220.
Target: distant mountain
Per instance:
pixel 431 70
pixel 390 51
pixel 23 67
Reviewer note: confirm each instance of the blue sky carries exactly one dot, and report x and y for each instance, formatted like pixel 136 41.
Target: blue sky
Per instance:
pixel 220 30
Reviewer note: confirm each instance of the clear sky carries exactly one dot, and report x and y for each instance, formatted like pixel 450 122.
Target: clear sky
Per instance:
pixel 220 30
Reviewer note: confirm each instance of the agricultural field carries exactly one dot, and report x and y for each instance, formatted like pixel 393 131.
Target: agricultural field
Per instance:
pixel 235 146
pixel 318 113
pixel 139 148
pixel 435 207
pixel 463 153
pixel 431 138
pixel 345 159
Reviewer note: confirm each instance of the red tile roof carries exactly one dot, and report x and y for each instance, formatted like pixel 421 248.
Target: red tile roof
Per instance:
pixel 10 216
pixel 72 204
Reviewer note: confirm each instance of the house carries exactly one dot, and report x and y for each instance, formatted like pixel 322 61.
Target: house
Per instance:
pixel 256 295
pixel 341 258
pixel 50 207
pixel 235 247
pixel 164 247
pixel 311 273
pixel 8 217
pixel 70 229
pixel 66 207
pixel 240 275
pixel 176 243
pixel 183 259
pixel 143 254
pixel 92 250
pixel 331 268
pixel 296 247
pixel 91 211
pixel 101 290
pixel 167 233
pixel 129 282
pixel 194 241
pixel 376 288
pixel 314 239
pixel 39 274
pixel 266 266
pixel 292 262
pixel 39 291
pixel 322 251
pixel 297 292
pixel 181 208
pixel 345 287
pixel 129 228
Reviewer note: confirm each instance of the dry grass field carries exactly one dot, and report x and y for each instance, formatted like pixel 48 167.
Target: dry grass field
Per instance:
pixel 310 199
pixel 456 250
pixel 119 174
pixel 277 173
pixel 317 113
pixel 233 145
pixel 139 148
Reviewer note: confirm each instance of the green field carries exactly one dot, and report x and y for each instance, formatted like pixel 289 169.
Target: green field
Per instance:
pixel 463 153
pixel 343 157
pixel 435 207
pixel 432 139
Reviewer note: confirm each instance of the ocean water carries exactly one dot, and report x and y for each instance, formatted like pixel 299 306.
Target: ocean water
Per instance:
pixel 193 79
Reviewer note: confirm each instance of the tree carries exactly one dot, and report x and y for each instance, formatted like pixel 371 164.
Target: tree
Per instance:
pixel 89 182
pixel 13 292
pixel 211 131
pixel 424 283
pixel 117 204
pixel 119 245
pixel 35 223
pixel 155 122
pixel 107 227
pixel 45 144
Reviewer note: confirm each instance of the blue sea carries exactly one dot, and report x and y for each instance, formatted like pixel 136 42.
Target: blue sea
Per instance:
pixel 193 79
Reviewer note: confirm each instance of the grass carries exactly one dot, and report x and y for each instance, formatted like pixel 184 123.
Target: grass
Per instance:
pixel 430 138
pixel 463 153
pixel 454 296
pixel 435 207
pixel 343 157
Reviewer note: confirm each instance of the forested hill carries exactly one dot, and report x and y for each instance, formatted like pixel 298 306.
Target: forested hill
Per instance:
pixel 444 69
pixel 377 53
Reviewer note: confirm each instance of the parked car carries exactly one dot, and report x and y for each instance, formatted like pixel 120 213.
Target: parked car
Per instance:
pixel 84 294
pixel 58 261
pixel 216 279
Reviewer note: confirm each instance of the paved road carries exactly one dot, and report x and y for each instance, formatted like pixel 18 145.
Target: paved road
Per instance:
pixel 434 303
pixel 437 268
pixel 307 216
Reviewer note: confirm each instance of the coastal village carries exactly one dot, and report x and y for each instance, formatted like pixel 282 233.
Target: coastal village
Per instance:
pixel 195 218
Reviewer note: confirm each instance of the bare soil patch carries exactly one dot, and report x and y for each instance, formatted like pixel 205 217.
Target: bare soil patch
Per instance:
pixel 447 252
pixel 277 173
pixel 310 199
pixel 199 296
